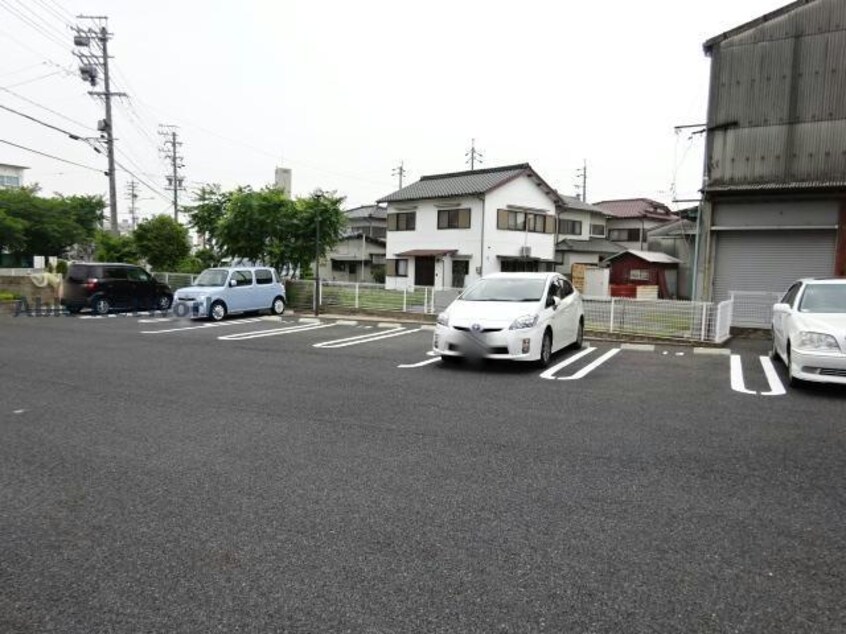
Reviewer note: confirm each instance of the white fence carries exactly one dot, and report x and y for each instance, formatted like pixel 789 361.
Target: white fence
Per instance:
pixel 668 319
pixel 176 280
pixel 753 309
pixel 19 272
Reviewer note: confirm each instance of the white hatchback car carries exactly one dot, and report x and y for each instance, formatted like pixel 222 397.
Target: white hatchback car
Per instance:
pixel 517 316
pixel 221 291
pixel 809 330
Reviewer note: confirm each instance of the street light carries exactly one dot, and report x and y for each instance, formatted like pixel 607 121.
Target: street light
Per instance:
pixel 319 197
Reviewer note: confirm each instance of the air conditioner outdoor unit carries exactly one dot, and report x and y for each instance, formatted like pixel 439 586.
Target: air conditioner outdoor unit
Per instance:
pixel 525 252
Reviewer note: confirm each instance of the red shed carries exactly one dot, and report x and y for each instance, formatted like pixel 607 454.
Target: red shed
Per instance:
pixel 644 268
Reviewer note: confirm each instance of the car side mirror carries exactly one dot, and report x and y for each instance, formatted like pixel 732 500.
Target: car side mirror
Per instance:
pixel 233 283
pixel 781 307
pixel 552 301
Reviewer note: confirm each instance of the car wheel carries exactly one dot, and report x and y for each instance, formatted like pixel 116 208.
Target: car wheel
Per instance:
pixel 546 349
pixel 164 302
pixel 217 311
pixel 72 311
pixel 101 306
pixel 580 335
pixel 450 360
pixel 278 306
pixel 774 349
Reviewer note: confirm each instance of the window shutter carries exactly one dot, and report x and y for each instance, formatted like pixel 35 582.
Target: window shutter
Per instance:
pixel 502 219
pixel 550 224
pixel 391 268
pixel 392 222
pixel 463 218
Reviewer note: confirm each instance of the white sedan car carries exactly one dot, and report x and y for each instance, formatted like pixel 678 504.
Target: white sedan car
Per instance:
pixel 517 316
pixel 809 330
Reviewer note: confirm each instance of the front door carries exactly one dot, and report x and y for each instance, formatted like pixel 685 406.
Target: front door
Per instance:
pixel 460 269
pixel 424 271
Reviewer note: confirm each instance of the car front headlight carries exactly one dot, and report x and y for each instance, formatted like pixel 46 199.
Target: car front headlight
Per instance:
pixel 816 341
pixel 443 319
pixel 524 321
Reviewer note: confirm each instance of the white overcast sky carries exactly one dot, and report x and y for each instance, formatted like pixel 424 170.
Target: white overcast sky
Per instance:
pixel 342 91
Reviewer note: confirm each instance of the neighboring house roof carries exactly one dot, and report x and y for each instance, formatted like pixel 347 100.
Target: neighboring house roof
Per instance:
pixel 367 211
pixel 747 26
pixel 594 245
pixel 571 202
pixel 636 208
pixel 357 236
pixel 13 166
pixel 467 183
pixel 422 253
pixel 653 257
pixel 677 228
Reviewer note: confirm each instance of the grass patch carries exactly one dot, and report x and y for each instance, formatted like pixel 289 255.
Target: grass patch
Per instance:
pixel 8 296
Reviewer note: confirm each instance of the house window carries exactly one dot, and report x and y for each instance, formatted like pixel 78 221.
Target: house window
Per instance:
pixel 403 221
pixel 453 218
pixel 624 235
pixel 396 268
pixel 377 258
pixel 597 231
pixel 570 227
pixel 10 181
pixel 525 221
pixel 639 275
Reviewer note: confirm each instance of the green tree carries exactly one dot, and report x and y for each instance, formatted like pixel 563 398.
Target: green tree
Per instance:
pixel 206 215
pixel 111 248
pixel 257 225
pixel 12 233
pixel 322 207
pixel 163 242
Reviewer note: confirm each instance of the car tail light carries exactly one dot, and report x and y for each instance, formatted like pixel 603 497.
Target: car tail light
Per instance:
pixel 91 284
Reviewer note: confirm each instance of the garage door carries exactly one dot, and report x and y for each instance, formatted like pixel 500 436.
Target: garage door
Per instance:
pixel 764 263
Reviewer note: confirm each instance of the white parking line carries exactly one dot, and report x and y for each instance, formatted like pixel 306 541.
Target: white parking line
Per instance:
pixel 550 373
pixel 738 385
pixel 201 326
pixel 590 367
pixel 354 341
pixel 273 332
pixel 420 364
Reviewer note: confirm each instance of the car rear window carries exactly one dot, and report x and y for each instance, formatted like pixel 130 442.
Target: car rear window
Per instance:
pixel 264 276
pixel 81 272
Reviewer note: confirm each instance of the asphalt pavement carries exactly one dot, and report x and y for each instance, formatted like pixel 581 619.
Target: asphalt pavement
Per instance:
pixel 269 475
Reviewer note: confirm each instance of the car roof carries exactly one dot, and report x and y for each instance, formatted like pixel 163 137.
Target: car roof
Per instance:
pixel 823 280
pixel 527 275
pixel 251 267
pixel 102 264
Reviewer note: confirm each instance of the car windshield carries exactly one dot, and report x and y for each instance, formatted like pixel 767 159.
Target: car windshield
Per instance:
pixel 212 277
pixel 824 298
pixel 505 290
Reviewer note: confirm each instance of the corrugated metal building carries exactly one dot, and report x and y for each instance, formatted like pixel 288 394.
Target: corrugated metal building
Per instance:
pixel 774 192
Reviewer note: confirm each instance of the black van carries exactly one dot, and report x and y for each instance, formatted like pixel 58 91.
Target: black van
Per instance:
pixel 103 286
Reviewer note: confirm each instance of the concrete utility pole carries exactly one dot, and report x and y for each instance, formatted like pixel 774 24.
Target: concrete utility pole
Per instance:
pixel 90 67
pixel 170 150
pixel 582 173
pixel 472 156
pixel 399 171
pixel 133 198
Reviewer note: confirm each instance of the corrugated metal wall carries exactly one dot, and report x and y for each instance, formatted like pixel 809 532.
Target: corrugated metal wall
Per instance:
pixel 770 260
pixel 784 83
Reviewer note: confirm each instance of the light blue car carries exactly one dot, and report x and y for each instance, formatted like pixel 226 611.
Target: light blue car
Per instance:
pixel 223 291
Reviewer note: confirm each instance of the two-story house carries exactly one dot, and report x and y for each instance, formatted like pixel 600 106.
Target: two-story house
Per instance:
pixel 582 231
pixel 448 230
pixel 630 220
pixel 360 253
pixel 11 175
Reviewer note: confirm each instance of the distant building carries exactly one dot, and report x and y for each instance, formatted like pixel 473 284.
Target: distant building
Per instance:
pixel 282 179
pixel 582 231
pixel 360 254
pixel 11 175
pixel 630 219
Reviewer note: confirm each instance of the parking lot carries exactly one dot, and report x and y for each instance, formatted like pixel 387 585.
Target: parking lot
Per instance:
pixel 274 474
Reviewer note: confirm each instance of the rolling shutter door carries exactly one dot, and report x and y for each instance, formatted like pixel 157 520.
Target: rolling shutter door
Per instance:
pixel 770 260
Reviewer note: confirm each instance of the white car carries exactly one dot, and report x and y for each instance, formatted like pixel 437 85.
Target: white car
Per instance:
pixel 517 316
pixel 809 330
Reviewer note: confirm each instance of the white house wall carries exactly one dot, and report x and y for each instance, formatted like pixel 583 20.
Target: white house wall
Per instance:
pixel 525 193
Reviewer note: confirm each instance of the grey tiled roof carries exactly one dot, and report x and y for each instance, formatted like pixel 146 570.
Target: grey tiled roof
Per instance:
pixel 367 211
pixel 571 202
pixel 457 183
pixel 594 245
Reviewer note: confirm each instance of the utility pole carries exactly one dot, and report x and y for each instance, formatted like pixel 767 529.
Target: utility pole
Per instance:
pixel 473 155
pixel 319 197
pixel 399 171
pixel 133 198
pixel 170 150
pixel 90 66
pixel 582 173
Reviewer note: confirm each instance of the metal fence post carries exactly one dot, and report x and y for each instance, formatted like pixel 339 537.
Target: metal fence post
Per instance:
pixel 611 324
pixel 425 299
pixel 356 296
pixel 404 298
pixel 704 320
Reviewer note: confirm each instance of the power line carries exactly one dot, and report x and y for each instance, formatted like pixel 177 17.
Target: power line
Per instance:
pixel 34 79
pixel 73 136
pixel 43 107
pixel 170 148
pixel 399 171
pixel 473 155
pixel 55 158
pixel 33 25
